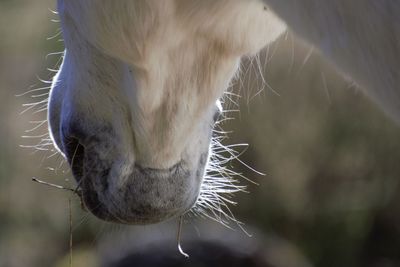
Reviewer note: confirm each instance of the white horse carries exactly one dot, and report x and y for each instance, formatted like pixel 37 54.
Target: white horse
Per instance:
pixel 133 105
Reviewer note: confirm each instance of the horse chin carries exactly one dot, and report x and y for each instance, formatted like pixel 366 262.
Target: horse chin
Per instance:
pixel 130 194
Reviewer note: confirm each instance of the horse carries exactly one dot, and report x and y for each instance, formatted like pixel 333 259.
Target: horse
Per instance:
pixel 134 103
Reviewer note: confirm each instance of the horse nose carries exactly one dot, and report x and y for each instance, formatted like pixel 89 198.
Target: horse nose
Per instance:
pixel 76 138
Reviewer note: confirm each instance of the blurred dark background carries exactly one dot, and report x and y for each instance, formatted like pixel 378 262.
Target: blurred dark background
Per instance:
pixel 331 192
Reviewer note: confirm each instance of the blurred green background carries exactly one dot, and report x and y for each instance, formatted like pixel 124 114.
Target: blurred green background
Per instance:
pixel 331 158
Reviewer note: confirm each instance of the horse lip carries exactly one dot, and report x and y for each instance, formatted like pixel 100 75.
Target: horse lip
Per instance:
pixel 144 198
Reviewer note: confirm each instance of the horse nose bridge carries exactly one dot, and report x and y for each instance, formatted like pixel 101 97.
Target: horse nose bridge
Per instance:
pixel 168 139
pixel 162 149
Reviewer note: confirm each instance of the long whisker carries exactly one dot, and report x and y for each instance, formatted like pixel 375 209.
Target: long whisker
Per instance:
pixel 34 179
pixel 180 223
pixel 70 232
pixel 76 191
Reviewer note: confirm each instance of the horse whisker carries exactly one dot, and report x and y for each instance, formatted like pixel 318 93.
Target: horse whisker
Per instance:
pixel 180 223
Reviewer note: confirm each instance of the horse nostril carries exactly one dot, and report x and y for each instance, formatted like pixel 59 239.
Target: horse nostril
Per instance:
pixel 74 153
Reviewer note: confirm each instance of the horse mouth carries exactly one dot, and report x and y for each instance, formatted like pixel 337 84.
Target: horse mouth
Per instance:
pixel 126 193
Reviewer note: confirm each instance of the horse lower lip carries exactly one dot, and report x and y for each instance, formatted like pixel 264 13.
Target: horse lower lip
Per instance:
pixel 143 213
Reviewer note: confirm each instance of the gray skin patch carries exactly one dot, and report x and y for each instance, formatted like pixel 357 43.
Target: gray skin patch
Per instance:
pixel 144 195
